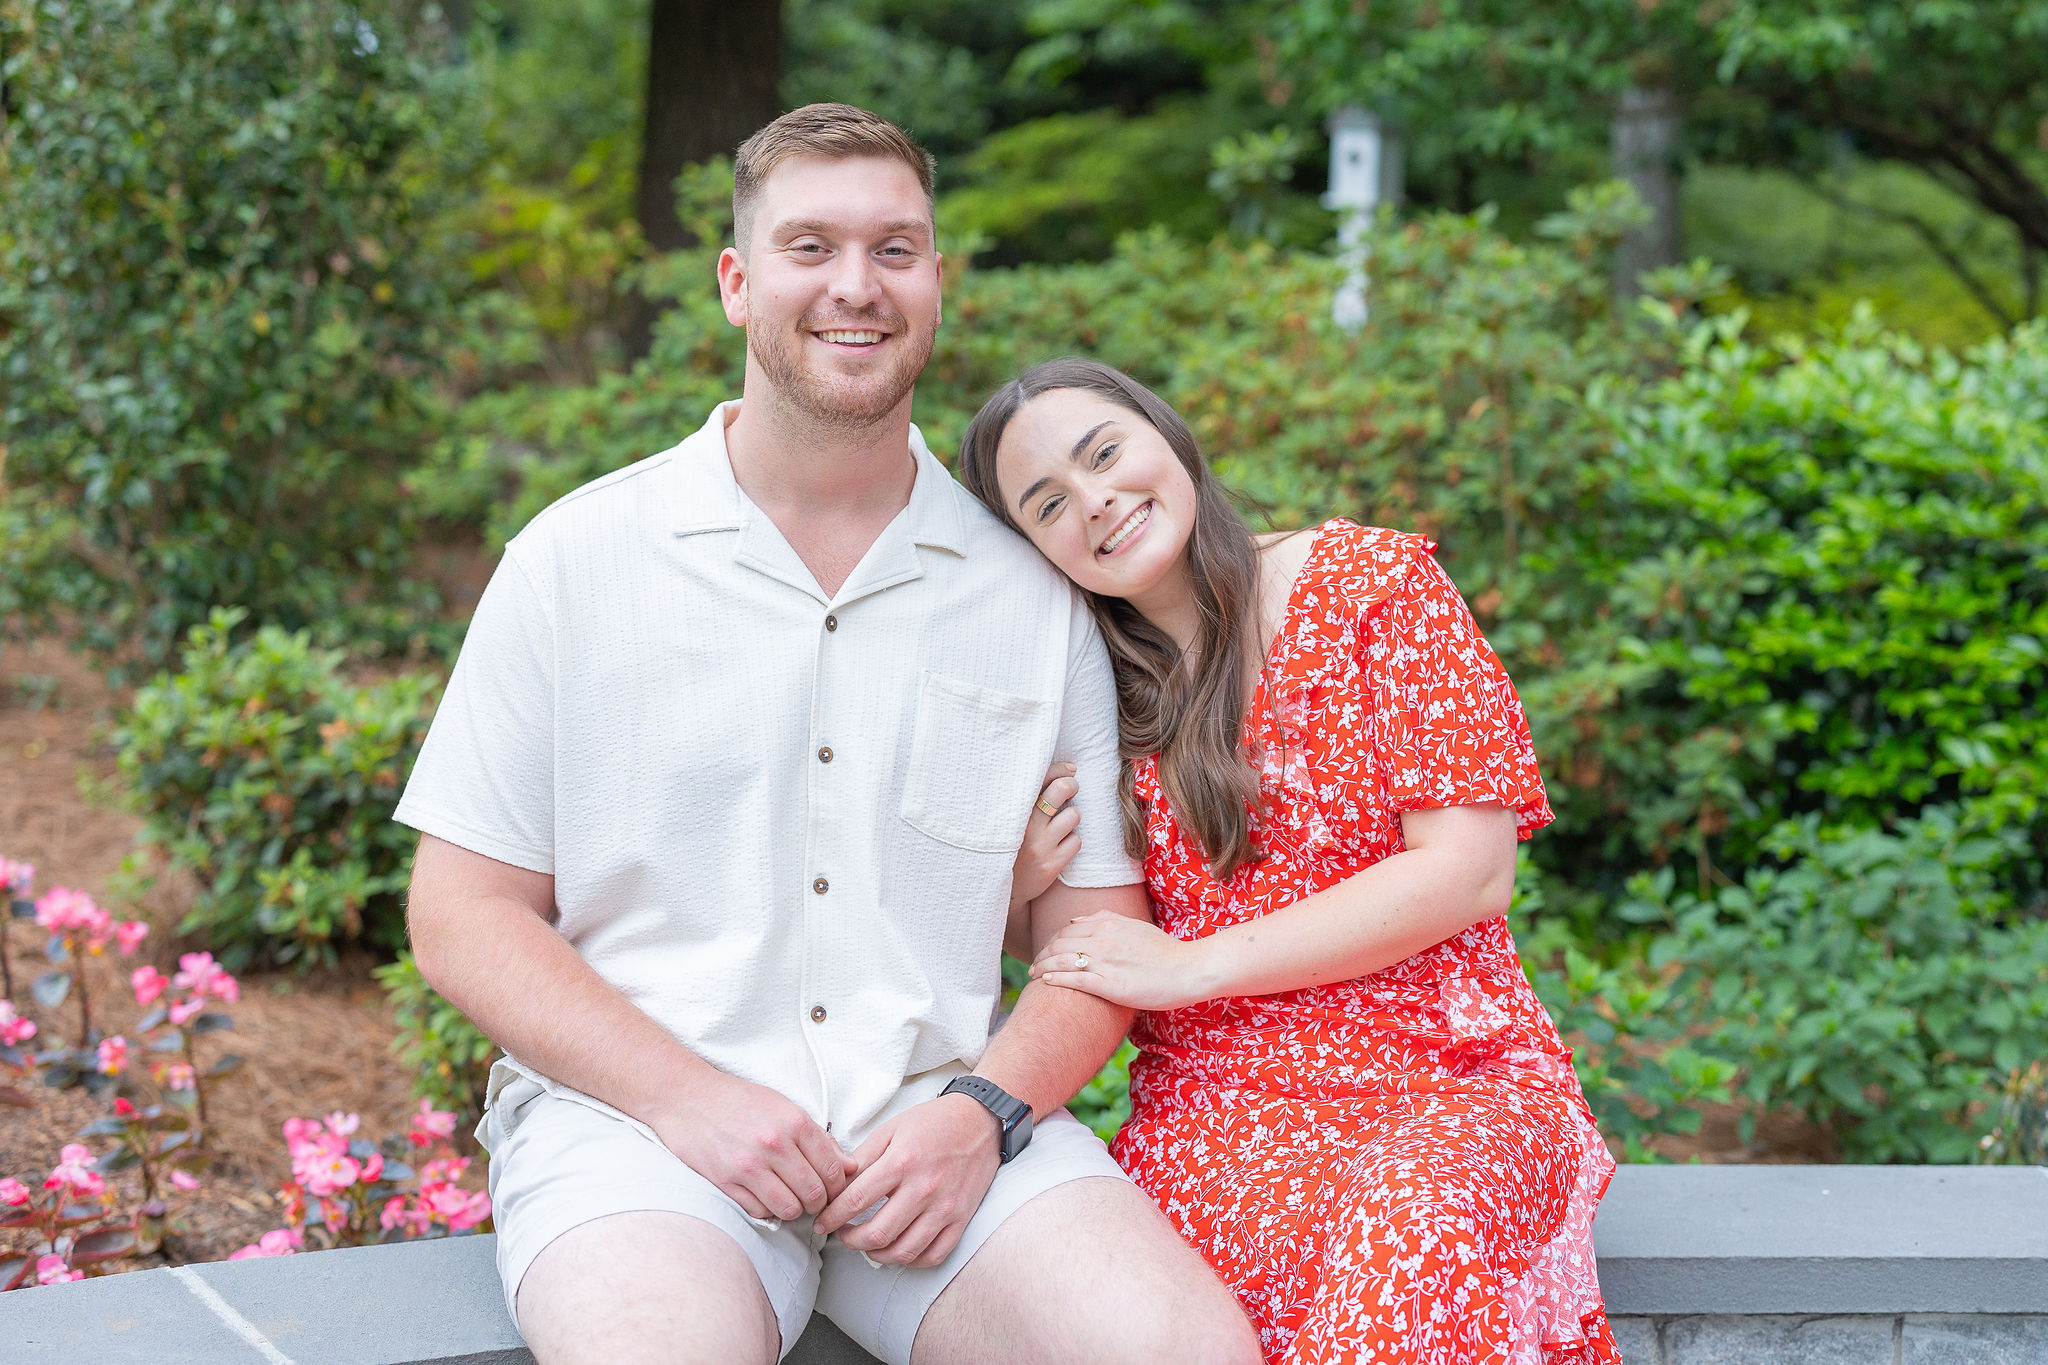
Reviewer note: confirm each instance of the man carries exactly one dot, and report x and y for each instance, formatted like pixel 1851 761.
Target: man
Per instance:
pixel 717 824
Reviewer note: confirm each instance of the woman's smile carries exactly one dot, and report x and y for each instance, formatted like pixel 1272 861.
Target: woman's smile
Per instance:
pixel 1128 530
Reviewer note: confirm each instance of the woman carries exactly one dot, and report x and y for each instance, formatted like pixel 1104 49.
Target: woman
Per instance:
pixel 1346 1095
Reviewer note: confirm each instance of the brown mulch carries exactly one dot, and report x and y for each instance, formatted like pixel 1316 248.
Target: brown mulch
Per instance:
pixel 312 1043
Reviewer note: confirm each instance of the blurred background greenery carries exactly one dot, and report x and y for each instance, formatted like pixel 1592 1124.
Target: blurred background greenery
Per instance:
pixel 1706 340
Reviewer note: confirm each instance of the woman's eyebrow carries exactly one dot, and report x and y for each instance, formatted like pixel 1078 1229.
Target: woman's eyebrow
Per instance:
pixel 1074 454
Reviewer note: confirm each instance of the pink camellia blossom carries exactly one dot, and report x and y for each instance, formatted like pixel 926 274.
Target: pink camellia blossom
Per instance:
pixel 178 1076
pixel 128 936
pixel 431 1123
pixel 276 1242
pixel 184 1011
pixel 113 1055
pixel 343 1125
pixel 52 1270
pixel 12 1191
pixel 13 1028
pixel 74 1169
pixel 184 1180
pixel 149 983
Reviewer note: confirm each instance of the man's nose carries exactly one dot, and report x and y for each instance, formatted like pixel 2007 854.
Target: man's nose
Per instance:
pixel 853 280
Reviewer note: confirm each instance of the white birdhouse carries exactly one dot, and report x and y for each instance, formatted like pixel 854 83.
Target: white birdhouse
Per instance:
pixel 1365 162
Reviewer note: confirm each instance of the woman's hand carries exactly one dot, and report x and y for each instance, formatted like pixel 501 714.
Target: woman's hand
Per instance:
pixel 1050 841
pixel 1129 962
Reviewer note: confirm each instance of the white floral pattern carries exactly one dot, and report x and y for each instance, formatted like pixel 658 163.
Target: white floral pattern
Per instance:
pixel 1401 1167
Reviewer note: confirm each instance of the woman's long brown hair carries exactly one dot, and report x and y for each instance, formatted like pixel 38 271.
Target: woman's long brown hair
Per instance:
pixel 1187 708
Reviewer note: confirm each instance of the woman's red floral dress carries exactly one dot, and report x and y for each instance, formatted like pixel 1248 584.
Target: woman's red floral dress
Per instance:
pixel 1401 1167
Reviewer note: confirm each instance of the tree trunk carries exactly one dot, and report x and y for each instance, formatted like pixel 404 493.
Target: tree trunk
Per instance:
pixel 714 76
pixel 1645 136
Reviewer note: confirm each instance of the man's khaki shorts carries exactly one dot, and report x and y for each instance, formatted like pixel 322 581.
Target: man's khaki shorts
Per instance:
pixel 560 1159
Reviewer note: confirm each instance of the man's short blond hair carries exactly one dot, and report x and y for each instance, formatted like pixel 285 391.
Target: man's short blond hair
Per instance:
pixel 831 131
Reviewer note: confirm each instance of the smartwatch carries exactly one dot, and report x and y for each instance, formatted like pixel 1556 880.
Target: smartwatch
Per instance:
pixel 1013 1114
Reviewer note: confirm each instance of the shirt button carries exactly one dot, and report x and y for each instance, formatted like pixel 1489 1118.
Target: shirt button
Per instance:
pixel 824 755
pixel 821 886
pixel 817 1014
pixel 831 623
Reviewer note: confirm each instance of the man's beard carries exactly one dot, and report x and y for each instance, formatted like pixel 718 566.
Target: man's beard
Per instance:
pixel 839 402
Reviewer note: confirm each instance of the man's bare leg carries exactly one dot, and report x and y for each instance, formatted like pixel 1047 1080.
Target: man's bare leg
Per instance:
pixel 1086 1272
pixel 646 1288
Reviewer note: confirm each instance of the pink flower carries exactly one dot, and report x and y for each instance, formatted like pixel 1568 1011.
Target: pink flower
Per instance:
pixel 64 911
pixel 16 877
pixel 185 1010
pixel 297 1132
pixel 128 936
pixel 178 1076
pixel 457 1207
pixel 276 1242
pixel 226 988
pixel 197 973
pixel 123 1109
pixel 13 1028
pixel 328 1174
pixel 393 1214
pixel 431 1123
pixel 373 1166
pixel 149 983
pixel 74 1168
pixel 113 1055
pixel 52 1270
pixel 184 1180
pixel 12 1191
pixel 342 1125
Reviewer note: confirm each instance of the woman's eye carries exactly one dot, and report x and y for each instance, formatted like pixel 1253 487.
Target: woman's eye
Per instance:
pixel 1104 454
pixel 1048 509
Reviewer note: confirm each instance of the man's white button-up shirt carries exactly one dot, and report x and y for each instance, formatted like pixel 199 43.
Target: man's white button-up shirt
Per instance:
pixel 782 823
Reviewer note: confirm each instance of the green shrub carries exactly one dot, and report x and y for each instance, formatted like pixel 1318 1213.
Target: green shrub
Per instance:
pixel 1876 982
pixel 449 1057
pixel 1808 581
pixel 218 303
pixel 270 776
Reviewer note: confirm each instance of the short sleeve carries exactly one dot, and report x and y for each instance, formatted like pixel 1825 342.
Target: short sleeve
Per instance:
pixel 1449 728
pixel 485 778
pixel 1088 740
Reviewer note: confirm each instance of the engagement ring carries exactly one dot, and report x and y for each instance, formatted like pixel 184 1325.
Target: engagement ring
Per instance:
pixel 1080 962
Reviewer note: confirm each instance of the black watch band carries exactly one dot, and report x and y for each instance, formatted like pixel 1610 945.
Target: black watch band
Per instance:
pixel 1013 1114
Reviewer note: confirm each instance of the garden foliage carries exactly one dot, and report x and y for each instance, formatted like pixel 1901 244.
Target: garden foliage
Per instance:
pixel 219 303
pixel 267 772
pixel 1876 982
pixel 449 1057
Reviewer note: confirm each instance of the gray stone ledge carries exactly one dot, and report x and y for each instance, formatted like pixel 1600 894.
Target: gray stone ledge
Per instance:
pixel 1799 1265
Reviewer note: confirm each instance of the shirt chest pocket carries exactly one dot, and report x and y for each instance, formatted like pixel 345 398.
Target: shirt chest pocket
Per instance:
pixel 977 757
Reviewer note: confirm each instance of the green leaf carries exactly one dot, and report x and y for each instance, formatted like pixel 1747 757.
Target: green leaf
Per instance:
pixel 212 1023
pixel 227 1063
pixel 51 988
pixel 108 1244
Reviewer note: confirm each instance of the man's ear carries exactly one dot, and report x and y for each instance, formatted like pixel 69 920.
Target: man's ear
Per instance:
pixel 732 286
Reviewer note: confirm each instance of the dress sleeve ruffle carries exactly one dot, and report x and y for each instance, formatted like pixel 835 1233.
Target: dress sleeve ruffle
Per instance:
pixel 1448 728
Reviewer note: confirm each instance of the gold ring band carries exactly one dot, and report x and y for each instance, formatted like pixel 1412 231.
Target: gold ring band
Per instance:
pixel 1080 962
pixel 1048 809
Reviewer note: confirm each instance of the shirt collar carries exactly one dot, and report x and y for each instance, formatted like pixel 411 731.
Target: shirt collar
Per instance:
pixel 708 498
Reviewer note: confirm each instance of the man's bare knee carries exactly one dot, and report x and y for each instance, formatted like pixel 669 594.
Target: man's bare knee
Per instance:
pixel 652 1287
